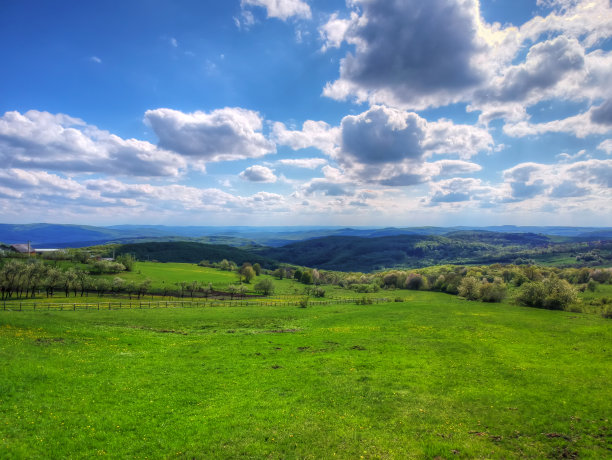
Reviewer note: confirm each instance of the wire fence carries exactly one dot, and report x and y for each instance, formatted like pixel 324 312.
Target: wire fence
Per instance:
pixel 283 301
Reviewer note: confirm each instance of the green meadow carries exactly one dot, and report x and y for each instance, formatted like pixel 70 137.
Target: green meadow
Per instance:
pixel 433 376
pixel 169 274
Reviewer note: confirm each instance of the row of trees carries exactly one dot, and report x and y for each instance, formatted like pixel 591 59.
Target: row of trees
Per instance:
pixel 21 278
pixel 24 278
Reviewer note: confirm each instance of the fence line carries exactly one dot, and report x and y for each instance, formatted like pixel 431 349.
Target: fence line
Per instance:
pixel 130 305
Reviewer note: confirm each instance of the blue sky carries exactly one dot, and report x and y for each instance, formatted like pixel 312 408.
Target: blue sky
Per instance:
pixel 306 112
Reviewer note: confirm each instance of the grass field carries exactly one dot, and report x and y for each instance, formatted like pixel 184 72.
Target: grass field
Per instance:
pixel 171 273
pixel 435 376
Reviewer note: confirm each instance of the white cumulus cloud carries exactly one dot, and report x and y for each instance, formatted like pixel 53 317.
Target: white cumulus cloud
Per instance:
pixel 258 173
pixel 58 142
pixel 221 135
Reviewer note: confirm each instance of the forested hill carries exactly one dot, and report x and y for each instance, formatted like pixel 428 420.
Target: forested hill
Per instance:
pixel 181 251
pixel 345 253
pixel 353 253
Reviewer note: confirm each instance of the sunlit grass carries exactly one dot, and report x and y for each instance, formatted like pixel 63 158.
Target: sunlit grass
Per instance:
pixel 434 376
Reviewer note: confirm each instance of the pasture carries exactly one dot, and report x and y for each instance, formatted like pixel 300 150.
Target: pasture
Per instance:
pixel 433 376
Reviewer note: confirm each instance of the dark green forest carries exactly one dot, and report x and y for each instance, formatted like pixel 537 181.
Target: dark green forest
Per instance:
pixel 351 253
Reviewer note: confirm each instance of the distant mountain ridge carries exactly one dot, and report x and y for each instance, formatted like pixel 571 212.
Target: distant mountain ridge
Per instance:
pixel 70 235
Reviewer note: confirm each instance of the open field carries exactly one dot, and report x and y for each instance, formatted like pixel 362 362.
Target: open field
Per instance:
pixel 171 273
pixel 433 376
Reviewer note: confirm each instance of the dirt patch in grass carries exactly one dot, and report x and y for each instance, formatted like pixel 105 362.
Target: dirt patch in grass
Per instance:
pixel 160 331
pixel 48 340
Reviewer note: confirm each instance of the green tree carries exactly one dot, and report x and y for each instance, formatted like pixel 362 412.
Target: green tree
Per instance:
pixel 306 277
pixel 553 294
pixel 493 292
pixel 246 272
pixel 143 287
pixel 127 261
pixel 469 288
pixel 257 269
pixel 265 287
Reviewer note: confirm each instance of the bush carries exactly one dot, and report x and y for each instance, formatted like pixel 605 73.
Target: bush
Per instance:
pixel 365 288
pixel 553 294
pixel 315 291
pixel 560 294
pixel 592 285
pixel 416 282
pixel 493 292
pixel 265 287
pixel 306 278
pixel 127 261
pixel 532 294
pixel 469 288
pixel 602 276
pixel 107 267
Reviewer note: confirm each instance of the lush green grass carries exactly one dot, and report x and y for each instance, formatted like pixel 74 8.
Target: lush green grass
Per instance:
pixel 434 376
pixel 168 274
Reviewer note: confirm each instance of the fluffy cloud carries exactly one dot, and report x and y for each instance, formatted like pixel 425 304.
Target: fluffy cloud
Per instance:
pixel 390 146
pixel 590 21
pixel 258 173
pixel 316 134
pixel 43 194
pixel 333 32
pixel 281 9
pixel 15 183
pixel 221 135
pixel 446 168
pixel 382 135
pixel 545 66
pixel 458 190
pixel 597 120
pixel 574 180
pixel 57 142
pixel 412 54
pixel 606 146
pixel 307 163
pixel 407 53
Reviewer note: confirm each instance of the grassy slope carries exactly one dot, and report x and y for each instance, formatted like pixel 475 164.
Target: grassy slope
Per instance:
pixel 433 376
pixel 171 273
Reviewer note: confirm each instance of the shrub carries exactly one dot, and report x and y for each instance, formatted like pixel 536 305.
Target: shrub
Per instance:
pixel 365 288
pixel 315 291
pixel 303 302
pixel 306 278
pixel 265 287
pixel 574 308
pixel 493 292
pixel 560 294
pixel 592 285
pixel 127 261
pixel 469 288
pixel 606 312
pixel 107 267
pixel 532 294
pixel 364 301
pixel 553 294
pixel 415 282
pixel 601 276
